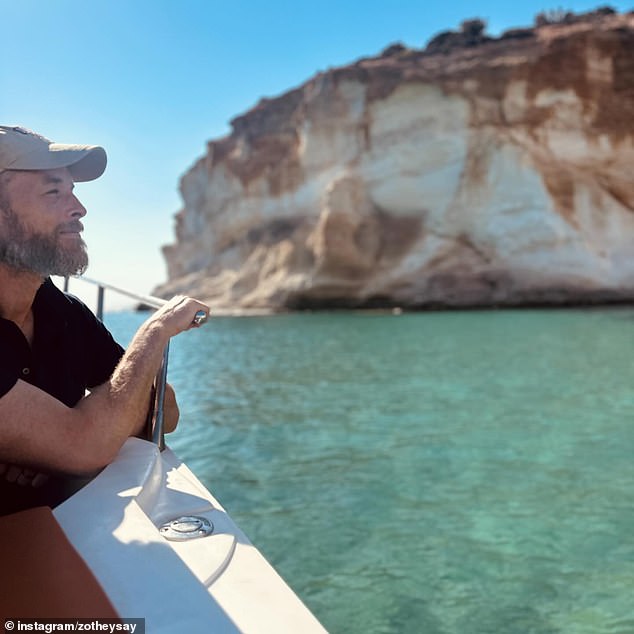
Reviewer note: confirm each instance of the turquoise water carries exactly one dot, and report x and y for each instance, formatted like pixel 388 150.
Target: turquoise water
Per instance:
pixel 445 472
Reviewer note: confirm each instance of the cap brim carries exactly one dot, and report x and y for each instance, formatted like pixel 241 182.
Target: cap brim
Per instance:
pixel 84 162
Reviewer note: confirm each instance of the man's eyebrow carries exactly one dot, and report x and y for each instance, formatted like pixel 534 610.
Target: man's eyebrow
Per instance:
pixel 51 180
pixel 47 179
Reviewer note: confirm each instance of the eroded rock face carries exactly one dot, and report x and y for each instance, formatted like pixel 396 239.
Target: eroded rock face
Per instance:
pixel 496 173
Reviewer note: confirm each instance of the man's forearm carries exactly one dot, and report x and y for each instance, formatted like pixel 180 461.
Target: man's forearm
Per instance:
pixel 124 398
pixel 40 431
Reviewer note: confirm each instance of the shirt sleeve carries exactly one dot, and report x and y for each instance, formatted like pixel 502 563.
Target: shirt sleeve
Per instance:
pixel 7 380
pixel 105 355
pixel 101 352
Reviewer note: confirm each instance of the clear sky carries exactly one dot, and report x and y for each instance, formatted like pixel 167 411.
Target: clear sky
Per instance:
pixel 153 80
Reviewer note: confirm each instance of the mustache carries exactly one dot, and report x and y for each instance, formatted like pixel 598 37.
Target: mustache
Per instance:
pixel 72 226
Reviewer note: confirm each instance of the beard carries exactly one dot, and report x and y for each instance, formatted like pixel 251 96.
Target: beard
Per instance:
pixel 28 252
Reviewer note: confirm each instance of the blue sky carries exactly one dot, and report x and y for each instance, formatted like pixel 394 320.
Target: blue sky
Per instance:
pixel 152 81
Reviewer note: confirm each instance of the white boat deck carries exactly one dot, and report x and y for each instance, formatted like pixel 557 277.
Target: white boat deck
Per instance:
pixel 218 583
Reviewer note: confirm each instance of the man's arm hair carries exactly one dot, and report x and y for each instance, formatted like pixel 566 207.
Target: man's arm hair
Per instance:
pixel 39 431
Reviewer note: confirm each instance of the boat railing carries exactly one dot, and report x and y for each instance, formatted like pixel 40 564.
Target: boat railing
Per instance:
pixel 155 426
pixel 148 300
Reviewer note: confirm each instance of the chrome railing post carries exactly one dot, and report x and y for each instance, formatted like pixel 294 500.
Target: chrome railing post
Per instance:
pixel 156 422
pixel 100 293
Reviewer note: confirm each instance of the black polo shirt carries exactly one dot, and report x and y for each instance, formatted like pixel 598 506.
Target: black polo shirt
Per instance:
pixel 72 351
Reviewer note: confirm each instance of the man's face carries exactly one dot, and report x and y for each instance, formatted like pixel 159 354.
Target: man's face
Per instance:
pixel 39 223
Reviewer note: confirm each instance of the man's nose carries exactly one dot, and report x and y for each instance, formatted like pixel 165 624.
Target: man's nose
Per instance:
pixel 77 210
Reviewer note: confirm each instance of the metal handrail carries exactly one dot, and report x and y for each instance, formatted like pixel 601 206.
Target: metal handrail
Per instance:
pixel 150 300
pixel 155 425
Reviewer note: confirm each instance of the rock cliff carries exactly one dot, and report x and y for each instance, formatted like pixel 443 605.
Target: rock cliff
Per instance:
pixel 477 171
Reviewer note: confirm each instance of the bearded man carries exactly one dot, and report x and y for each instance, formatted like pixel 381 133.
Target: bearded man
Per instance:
pixel 69 394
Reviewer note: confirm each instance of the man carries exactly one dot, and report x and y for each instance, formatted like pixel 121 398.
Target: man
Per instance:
pixel 53 433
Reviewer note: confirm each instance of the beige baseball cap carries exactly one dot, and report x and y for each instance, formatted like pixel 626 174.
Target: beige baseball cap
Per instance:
pixel 22 149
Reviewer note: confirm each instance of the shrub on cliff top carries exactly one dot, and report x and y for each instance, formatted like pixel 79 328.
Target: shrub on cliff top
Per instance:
pixel 559 16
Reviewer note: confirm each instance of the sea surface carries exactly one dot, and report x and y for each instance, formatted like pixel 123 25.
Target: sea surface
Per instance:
pixel 441 472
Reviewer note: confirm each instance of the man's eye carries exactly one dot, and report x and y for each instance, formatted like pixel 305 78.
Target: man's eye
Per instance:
pixel 53 191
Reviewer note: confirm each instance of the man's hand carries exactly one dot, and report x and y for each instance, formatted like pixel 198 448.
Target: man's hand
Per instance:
pixel 177 315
